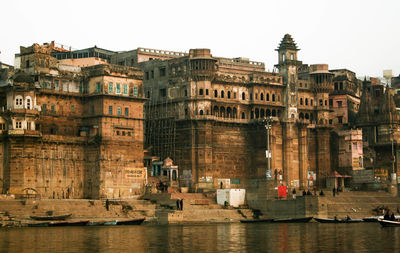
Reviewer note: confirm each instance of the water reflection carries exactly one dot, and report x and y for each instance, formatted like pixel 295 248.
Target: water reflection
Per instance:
pixel 268 237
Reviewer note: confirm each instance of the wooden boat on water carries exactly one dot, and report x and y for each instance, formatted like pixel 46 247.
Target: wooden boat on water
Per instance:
pixel 68 223
pixel 41 224
pixel 131 222
pixel 389 223
pixel 102 223
pixel 322 220
pixel 51 217
pixel 257 221
pixel 293 220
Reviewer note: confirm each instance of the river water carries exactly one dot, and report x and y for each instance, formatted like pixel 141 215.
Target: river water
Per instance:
pixel 266 237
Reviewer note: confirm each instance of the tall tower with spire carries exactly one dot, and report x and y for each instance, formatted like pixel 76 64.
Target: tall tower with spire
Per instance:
pixel 287 66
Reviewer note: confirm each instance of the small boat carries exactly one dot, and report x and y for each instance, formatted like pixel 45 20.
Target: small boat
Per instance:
pixel 41 224
pixel 322 220
pixel 51 217
pixel 257 221
pixel 68 223
pixel 131 222
pixel 110 223
pixel 95 223
pixel 389 223
pixel 293 220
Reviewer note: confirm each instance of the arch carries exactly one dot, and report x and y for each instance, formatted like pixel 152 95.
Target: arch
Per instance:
pixel 311 102
pixel 216 111
pixel 228 112
pixel 201 112
pixel 257 113
pixel 229 94
pixel 279 98
pixel 321 121
pixel 243 115
pixel 306 101
pixel 222 112
pixel 243 96
pixel 301 101
pixel 311 117
pixel 261 113
pixel 273 113
pixel 301 115
pixel 306 116
pixel 267 97
pixel 19 102
pixel 222 94
pixel 268 112
pixel 234 113
pixel 273 97
pixel 262 96
pixel 215 93
pixel 28 102
pixel 321 102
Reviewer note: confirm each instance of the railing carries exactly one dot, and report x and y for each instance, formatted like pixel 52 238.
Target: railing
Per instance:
pixel 162 52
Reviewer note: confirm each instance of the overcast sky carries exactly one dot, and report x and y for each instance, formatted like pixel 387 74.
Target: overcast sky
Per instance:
pixel 362 36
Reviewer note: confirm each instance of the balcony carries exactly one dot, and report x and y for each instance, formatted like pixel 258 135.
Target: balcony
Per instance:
pixel 24 132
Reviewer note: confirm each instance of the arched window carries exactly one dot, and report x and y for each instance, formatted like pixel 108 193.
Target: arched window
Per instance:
pixel 301 101
pixel 201 112
pixel 186 93
pixel 301 115
pixel 215 93
pixel 19 102
pixel 268 112
pixel 228 112
pixel 257 112
pixel 279 98
pixel 306 116
pixel 243 115
pixel 273 113
pixel 229 94
pixel 311 102
pixel 273 97
pixel 267 97
pixel 222 111
pixel 216 111
pixel 321 103
pixel 243 96
pixel 262 96
pixel 222 94
pixel 306 101
pixel 234 113
pixel 261 113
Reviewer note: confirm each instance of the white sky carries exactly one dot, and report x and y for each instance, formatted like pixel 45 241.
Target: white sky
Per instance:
pixel 360 35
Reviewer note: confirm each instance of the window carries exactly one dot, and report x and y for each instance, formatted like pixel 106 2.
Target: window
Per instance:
pixel 135 91
pixel 125 89
pixel 200 92
pixel 234 95
pixel 92 109
pixel 18 124
pixel 53 109
pixel 292 57
pixel 330 102
pixel 163 92
pixel 98 88
pixel 18 101
pixel 326 102
pixel 152 74
pixel 44 108
pixel 321 103
pixel 222 94
pixel 206 92
pixel 146 75
pixel 162 72
pixel 336 86
pixel 117 132
pixel 301 101
pixel 339 103
pixel 72 108
pixel 306 101
pixel 57 84
pixel 215 93
pixel 110 111
pixel 42 63
pixel 273 97
pixel 229 94
pixel 110 88
pixel 27 64
pixel 340 119
pixel 119 110
pixel 267 97
pixel 126 111
pixel 118 88
pixel 341 86
pixel 243 96
pixel 262 96
pixel 350 147
pixel 186 93
pixel 28 103
pixel 311 102
pixel 28 125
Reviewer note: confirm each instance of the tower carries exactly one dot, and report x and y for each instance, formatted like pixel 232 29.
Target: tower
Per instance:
pixel 287 65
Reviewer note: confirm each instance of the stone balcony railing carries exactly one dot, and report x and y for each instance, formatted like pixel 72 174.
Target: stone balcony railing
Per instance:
pixel 24 132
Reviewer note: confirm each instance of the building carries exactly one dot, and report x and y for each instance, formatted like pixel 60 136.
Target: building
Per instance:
pixel 70 131
pixel 209 115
